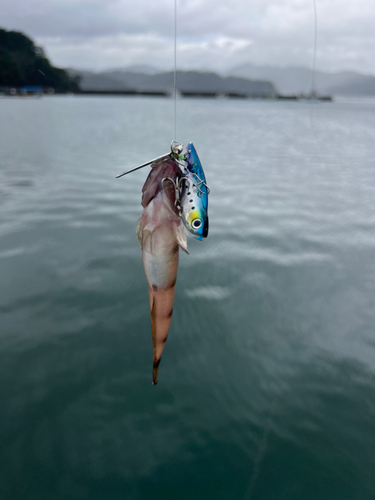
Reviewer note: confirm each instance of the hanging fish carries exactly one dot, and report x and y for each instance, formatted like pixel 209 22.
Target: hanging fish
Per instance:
pixel 160 234
pixel 173 181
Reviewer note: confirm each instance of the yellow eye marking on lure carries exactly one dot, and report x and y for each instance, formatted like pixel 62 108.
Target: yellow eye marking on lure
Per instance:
pixel 193 215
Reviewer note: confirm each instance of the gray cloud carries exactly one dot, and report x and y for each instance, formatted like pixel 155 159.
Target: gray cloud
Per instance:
pixel 212 34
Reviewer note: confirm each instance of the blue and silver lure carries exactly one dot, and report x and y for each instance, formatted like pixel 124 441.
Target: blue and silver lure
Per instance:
pixel 194 195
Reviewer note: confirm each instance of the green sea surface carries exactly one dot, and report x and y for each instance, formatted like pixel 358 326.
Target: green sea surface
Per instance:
pixel 267 383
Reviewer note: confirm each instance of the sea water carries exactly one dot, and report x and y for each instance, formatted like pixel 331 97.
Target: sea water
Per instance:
pixel 267 382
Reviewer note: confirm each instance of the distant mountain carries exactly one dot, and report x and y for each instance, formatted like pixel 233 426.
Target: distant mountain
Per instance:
pixel 24 64
pixel 299 80
pixel 187 81
pixel 141 68
pixel 96 81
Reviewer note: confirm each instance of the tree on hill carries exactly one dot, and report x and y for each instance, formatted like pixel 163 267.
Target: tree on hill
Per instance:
pixel 22 63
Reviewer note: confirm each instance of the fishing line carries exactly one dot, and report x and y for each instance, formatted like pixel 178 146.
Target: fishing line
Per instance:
pixel 313 91
pixel 315 44
pixel 259 457
pixel 266 430
pixel 175 68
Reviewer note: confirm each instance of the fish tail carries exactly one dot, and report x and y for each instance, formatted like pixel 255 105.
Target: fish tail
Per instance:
pixel 155 371
pixel 161 305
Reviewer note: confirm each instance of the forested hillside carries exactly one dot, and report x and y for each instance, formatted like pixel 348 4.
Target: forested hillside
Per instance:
pixel 22 63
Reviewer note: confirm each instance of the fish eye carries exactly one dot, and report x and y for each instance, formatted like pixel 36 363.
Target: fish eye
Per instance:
pixel 196 224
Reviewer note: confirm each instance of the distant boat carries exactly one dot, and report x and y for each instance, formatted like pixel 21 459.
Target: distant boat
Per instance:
pixel 31 90
pixel 25 90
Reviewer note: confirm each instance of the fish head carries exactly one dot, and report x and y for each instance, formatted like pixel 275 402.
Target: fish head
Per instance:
pixel 194 196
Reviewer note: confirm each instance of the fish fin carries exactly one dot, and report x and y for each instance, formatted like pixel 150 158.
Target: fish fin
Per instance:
pixel 144 235
pixel 139 232
pixel 147 237
pixel 181 237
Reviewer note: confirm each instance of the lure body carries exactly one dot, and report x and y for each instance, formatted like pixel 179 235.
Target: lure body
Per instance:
pixel 194 195
pixel 160 233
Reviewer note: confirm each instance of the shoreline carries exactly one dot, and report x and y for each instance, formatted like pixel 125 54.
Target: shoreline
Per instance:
pixel 13 92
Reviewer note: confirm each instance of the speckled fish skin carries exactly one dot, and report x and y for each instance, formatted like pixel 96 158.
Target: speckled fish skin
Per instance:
pixel 160 233
pixel 194 201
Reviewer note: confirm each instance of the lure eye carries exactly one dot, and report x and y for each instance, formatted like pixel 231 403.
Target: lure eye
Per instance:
pixel 196 224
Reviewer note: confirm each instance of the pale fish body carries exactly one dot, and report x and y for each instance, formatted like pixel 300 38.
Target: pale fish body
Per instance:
pixel 160 234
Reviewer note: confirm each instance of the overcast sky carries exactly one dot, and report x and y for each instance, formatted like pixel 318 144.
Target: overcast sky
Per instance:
pixel 211 34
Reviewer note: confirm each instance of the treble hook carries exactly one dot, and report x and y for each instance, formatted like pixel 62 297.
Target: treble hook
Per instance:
pixel 177 190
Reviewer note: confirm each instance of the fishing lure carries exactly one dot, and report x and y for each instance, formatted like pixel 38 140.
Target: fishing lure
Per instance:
pixel 194 196
pixel 174 195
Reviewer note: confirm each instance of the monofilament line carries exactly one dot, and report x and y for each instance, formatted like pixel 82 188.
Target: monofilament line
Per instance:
pixel 175 68
pixel 313 90
pixel 314 57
